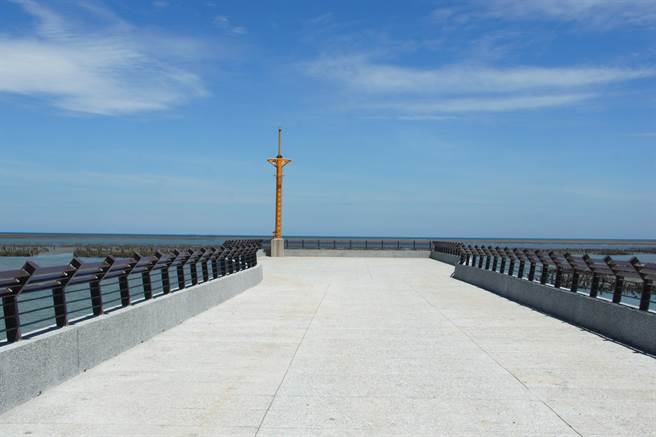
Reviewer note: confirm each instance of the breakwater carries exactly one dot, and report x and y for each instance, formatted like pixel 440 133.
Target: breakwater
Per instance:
pixel 18 250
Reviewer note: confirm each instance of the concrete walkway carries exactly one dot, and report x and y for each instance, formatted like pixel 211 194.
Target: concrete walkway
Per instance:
pixel 357 346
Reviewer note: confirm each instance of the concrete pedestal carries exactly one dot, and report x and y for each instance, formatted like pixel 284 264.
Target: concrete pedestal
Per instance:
pixel 277 247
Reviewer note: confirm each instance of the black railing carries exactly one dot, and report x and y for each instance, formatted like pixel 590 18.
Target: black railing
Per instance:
pixel 621 282
pixel 36 299
pixel 447 247
pixel 356 244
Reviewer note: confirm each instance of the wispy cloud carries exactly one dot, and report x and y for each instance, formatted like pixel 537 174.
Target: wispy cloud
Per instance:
pixel 224 23
pixel 477 104
pixel 360 73
pixel 465 87
pixel 595 13
pixel 111 68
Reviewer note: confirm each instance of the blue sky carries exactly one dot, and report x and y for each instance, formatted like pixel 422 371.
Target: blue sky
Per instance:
pixel 472 118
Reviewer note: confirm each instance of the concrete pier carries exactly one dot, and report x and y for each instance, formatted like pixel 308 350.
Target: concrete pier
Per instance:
pixel 357 346
pixel 277 247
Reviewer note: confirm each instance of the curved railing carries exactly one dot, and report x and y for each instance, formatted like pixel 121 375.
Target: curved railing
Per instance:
pixel 621 282
pixel 37 299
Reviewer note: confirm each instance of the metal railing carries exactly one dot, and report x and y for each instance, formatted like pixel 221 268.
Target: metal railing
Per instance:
pixel 37 299
pixel 620 282
pixel 357 244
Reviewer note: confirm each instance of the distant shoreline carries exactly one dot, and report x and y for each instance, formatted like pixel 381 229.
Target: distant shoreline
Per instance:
pixel 537 240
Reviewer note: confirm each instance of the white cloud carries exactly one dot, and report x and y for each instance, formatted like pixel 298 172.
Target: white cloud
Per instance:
pixel 112 68
pixel 224 23
pixel 601 12
pixel 360 73
pixel 464 87
pixel 596 13
pixel 478 104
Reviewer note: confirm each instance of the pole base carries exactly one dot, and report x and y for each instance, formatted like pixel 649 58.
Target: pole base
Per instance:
pixel 277 247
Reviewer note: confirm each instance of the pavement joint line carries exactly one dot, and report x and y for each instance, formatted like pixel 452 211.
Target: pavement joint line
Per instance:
pixel 537 397
pixel 284 376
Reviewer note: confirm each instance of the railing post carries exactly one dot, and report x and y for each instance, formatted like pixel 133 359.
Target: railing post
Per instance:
pixel 166 282
pixel 645 295
pixel 544 271
pixel 12 317
pixel 94 287
pixel 59 294
pixel 10 304
pixel 559 276
pixel 214 263
pixel 237 257
pixel 559 270
pixel 192 267
pixel 495 259
pixel 180 270
pixel 254 257
pixel 204 267
pixel 250 256
pixel 223 262
pixel 502 254
pixel 522 263
pixel 594 282
pixel 123 284
pixel 619 280
pixel 531 266
pixel 487 259
pixel 594 285
pixel 230 261
pixel 511 261
pixel 146 281
pixel 575 273
pixel 575 281
pixel 647 285
pixel 241 264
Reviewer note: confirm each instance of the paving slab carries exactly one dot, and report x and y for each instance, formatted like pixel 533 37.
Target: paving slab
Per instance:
pixel 357 347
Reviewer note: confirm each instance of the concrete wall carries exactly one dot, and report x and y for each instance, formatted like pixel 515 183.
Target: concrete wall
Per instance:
pixel 445 258
pixel 29 366
pixel 359 253
pixel 624 324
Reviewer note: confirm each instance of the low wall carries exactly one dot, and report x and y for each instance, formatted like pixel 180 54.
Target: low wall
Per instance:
pixel 624 324
pixel 445 258
pixel 29 366
pixel 359 253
